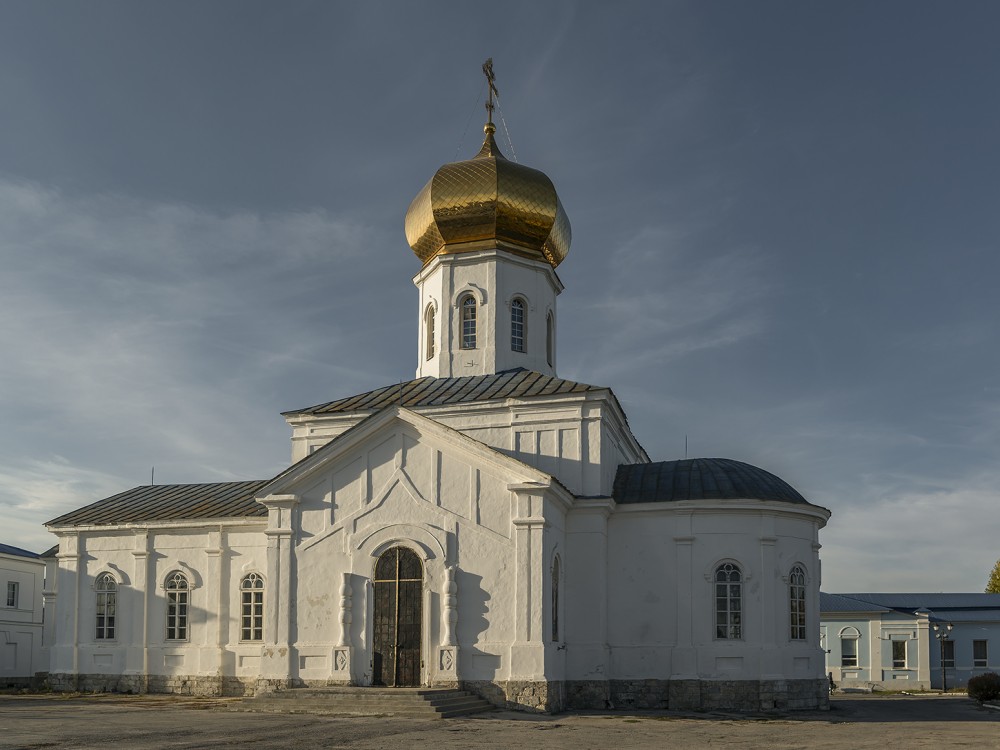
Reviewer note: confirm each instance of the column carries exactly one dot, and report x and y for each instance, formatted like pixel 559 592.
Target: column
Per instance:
pixel 276 658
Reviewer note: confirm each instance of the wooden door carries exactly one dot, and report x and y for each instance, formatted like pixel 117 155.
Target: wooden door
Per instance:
pixel 399 579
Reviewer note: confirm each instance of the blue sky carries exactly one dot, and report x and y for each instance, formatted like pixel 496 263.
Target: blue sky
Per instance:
pixel 785 221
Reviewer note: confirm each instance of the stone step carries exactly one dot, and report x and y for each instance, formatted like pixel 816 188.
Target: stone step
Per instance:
pixel 429 703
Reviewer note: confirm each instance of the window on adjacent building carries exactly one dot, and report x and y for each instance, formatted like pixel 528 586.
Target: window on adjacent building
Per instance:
pixel 468 307
pixel 728 602
pixel 555 599
pixel 12 587
pixel 947 653
pixel 980 654
pixel 252 608
pixel 848 651
pixel 517 326
pixel 429 332
pixel 107 602
pixel 797 603
pixel 898 654
pixel 177 606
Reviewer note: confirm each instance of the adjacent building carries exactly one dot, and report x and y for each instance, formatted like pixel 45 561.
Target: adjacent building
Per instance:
pixel 22 576
pixel 909 641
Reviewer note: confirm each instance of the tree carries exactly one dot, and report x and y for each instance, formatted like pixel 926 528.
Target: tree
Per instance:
pixel 993 585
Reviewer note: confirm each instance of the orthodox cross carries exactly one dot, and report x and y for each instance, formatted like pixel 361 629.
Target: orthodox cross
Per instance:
pixel 492 81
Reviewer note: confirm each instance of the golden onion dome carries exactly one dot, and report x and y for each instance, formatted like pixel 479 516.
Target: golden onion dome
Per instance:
pixel 488 201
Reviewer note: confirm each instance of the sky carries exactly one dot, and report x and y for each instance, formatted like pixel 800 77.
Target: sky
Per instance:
pixel 785 221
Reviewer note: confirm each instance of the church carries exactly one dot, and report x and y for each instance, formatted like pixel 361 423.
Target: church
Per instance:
pixel 486 525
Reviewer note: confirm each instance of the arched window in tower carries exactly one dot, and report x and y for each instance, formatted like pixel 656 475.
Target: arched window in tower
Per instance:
pixel 728 602
pixel 107 600
pixel 555 599
pixel 429 332
pixel 468 307
pixel 549 340
pixel 517 325
pixel 797 603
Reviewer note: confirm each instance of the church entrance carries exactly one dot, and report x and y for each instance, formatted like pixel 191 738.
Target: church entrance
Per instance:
pixel 399 583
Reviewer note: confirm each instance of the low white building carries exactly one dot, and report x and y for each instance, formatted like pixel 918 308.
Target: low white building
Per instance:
pixel 486 524
pixel 909 641
pixel 22 575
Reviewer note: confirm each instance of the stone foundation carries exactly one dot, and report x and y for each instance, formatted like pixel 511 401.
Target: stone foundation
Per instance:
pixel 700 695
pixel 196 685
pixel 520 695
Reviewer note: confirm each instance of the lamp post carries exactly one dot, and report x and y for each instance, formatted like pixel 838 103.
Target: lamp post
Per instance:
pixel 942 632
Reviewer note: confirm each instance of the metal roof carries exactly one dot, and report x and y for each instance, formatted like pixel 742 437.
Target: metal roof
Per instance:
pixel 168 502
pixel 7 549
pixel 699 479
pixel 933 602
pixel 519 383
pixel 842 603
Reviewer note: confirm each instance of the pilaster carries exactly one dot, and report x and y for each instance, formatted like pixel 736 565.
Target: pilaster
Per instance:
pixel 277 659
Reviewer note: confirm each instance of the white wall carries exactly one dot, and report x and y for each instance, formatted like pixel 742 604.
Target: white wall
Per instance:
pixel 21 625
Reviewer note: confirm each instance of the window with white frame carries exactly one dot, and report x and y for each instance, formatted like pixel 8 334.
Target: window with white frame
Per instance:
pixel 429 332
pixel 898 654
pixel 177 606
pixel 12 591
pixel 980 654
pixel 252 608
pixel 849 638
pixel 797 603
pixel 728 602
pixel 468 308
pixel 106 595
pixel 517 325
pixel 555 598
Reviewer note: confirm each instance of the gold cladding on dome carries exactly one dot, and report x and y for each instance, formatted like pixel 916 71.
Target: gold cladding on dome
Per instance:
pixel 488 199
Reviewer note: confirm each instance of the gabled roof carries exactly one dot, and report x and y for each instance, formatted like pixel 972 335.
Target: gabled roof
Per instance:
pixel 699 479
pixel 519 383
pixel 168 502
pixel 7 549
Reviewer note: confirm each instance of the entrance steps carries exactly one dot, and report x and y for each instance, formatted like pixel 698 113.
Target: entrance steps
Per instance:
pixel 426 703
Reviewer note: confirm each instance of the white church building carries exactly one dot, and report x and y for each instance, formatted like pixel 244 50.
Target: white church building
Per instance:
pixel 486 525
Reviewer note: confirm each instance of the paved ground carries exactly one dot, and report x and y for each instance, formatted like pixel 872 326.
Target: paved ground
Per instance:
pixel 162 722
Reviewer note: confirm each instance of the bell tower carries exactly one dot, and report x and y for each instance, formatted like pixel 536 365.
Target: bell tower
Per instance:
pixel 490 233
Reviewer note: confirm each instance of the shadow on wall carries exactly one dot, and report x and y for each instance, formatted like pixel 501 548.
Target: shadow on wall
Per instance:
pixel 473 621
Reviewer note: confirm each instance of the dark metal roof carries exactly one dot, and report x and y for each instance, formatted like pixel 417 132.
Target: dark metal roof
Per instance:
pixel 50 552
pixel 168 502
pixel 934 602
pixel 519 383
pixel 843 603
pixel 8 549
pixel 699 479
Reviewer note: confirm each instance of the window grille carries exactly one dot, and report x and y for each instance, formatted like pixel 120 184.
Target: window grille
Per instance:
pixel 797 603
pixel 12 587
pixel 728 602
pixel 848 652
pixel 429 329
pixel 177 607
pixel 899 654
pixel 252 608
pixel 469 322
pixel 980 654
pixel 107 603
pixel 517 326
pixel 947 653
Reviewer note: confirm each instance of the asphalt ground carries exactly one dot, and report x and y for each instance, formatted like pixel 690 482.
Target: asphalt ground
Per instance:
pixel 105 722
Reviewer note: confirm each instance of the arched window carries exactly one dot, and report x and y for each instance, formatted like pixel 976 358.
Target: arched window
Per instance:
pixel 107 602
pixel 797 603
pixel 728 602
pixel 177 606
pixel 468 307
pixel 252 608
pixel 429 332
pixel 555 599
pixel 550 344
pixel 517 325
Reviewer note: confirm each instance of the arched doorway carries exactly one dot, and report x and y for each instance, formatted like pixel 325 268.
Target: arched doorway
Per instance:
pixel 399 583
